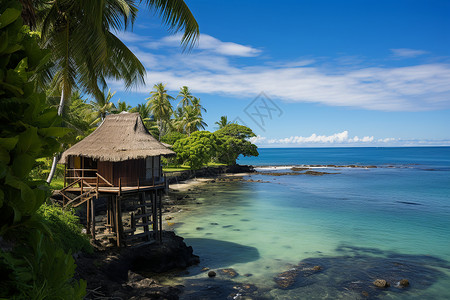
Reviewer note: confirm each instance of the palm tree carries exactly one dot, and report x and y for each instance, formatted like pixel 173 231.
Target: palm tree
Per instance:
pixel 185 95
pixel 223 122
pixel 122 106
pixel 196 104
pixel 103 106
pixel 86 58
pixel 160 106
pixel 192 120
pixel 177 123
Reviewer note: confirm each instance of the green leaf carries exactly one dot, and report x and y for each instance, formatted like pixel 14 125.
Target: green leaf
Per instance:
pixel 22 165
pixel 9 143
pixel 3 41
pixel 4 156
pixel 54 131
pixel 9 16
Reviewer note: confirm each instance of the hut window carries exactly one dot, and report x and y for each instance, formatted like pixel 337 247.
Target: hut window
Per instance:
pixel 148 167
pixel 156 167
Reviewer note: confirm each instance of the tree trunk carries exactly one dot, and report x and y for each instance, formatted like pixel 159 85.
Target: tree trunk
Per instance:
pixel 55 158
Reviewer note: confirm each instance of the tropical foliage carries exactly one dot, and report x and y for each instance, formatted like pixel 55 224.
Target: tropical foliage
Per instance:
pixel 31 266
pixel 38 86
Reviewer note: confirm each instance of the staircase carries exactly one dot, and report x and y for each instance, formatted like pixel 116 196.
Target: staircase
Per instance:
pixel 143 223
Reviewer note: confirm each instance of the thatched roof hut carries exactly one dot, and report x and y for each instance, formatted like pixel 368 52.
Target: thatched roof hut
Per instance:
pixel 120 137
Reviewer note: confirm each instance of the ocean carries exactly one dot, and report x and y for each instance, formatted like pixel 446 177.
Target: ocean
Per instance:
pixel 289 235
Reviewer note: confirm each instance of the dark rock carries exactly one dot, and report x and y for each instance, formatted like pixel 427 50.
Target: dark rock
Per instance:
pixel 248 275
pixel 199 228
pixel 229 272
pixel 299 169
pixel 214 223
pixel 381 283
pixel 211 274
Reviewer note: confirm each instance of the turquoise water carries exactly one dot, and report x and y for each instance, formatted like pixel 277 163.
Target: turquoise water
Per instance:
pixel 359 224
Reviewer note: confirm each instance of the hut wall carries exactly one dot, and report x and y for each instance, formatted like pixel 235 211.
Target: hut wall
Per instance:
pixel 105 169
pixel 129 171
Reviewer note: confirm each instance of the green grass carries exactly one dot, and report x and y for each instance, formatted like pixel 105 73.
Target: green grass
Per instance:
pixel 175 168
pixel 57 183
pixel 214 164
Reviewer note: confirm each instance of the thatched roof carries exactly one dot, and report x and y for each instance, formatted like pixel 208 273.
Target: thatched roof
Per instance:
pixel 120 137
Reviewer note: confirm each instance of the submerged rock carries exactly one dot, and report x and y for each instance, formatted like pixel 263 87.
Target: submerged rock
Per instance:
pixel 229 272
pixel 381 283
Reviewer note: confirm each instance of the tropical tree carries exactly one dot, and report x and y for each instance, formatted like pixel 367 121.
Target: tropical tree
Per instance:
pixel 223 122
pixel 197 149
pixel 196 104
pixel 160 106
pixel 86 52
pixel 233 140
pixel 122 106
pixel 186 97
pixel 103 106
pixel 192 120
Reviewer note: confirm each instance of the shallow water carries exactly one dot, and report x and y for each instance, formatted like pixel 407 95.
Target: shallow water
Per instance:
pixel 389 222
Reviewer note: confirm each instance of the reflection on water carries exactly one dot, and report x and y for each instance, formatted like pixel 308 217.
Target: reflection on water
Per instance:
pixel 346 224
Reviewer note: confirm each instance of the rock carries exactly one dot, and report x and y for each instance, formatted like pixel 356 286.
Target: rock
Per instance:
pixel 299 169
pixel 248 275
pixel 214 223
pixel 381 283
pixel 229 272
pixel 286 279
pixel 204 269
pixel 199 228
pixel 317 268
pixel 365 294
pixel 211 274
pixel 404 283
pixel 169 218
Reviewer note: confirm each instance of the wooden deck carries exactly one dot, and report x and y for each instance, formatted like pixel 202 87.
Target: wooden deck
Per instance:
pixel 116 189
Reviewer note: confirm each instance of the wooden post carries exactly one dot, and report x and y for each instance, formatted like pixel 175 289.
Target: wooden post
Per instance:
pixel 138 183
pixel 92 217
pixel 65 174
pixel 160 215
pixel 154 214
pixel 118 217
pixel 82 167
pixel 153 170
pixel 120 186
pixel 88 217
pixel 143 211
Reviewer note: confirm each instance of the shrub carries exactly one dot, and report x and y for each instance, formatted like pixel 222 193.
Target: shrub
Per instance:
pixel 65 228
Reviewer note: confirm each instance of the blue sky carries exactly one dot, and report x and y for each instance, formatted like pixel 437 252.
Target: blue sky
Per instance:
pixel 310 73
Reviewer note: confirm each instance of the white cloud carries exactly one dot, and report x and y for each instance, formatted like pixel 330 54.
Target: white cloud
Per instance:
pixel 208 69
pixel 342 139
pixel 337 138
pixel 407 53
pixel 207 42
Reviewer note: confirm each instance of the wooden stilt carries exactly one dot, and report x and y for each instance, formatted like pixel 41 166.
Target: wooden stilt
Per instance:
pixel 88 217
pixel 118 217
pixel 154 215
pixel 92 217
pixel 160 215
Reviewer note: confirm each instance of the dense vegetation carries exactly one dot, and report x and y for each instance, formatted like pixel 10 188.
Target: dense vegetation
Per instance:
pixel 73 49
pixel 32 266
